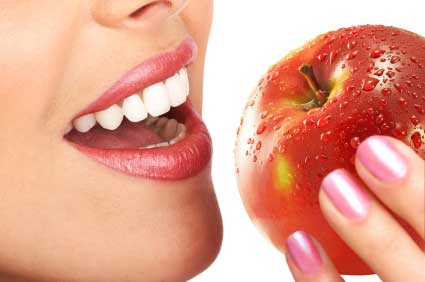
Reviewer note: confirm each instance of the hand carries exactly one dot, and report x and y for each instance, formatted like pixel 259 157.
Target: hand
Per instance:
pixel 396 176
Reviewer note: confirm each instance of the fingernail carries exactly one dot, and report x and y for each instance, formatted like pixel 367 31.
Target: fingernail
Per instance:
pixel 346 194
pixel 303 252
pixel 382 159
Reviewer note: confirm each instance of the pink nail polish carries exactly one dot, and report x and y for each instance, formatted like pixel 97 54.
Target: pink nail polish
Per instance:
pixel 381 158
pixel 304 252
pixel 346 194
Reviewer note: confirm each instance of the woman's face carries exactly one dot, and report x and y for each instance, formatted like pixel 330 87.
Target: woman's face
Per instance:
pixel 70 215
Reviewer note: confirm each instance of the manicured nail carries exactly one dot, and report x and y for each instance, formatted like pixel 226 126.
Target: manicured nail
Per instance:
pixel 303 252
pixel 346 194
pixel 382 159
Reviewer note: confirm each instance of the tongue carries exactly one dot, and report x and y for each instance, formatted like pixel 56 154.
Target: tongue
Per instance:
pixel 128 136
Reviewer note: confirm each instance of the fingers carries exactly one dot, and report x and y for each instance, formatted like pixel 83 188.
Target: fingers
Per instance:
pixel 367 227
pixel 396 175
pixel 308 261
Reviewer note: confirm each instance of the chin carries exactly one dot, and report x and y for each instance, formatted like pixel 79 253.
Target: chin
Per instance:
pixel 179 240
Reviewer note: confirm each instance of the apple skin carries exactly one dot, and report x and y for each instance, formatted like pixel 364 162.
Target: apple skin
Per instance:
pixel 376 79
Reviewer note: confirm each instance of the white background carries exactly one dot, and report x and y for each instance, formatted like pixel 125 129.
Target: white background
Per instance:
pixel 248 36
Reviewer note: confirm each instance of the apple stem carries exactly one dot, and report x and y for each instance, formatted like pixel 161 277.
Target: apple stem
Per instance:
pixel 321 96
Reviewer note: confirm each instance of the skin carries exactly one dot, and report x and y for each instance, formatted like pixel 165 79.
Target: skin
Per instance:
pixel 63 216
pixel 379 239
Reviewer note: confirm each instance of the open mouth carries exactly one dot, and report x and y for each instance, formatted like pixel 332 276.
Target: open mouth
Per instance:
pixel 145 124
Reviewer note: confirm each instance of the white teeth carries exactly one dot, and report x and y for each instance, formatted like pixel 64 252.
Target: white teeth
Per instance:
pixel 110 118
pixel 134 108
pixel 183 75
pixel 177 90
pixel 85 123
pixel 156 99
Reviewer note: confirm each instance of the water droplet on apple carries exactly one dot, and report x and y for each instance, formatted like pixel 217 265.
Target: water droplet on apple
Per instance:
pixel 343 105
pixel 370 84
pixel 261 128
pixel 258 146
pixel 322 57
pixel 414 120
pixel 379 119
pixel 254 159
pixel 399 132
pixel 386 92
pixel 321 158
pixel 395 59
pixel 419 108
pixel 333 100
pixel 271 157
pixel 415 95
pixel 390 74
pixel 417 140
pixel 324 121
pixel 308 160
pixel 357 93
pixel 385 127
pixel 370 67
pixel 414 59
pixel 402 101
pixel 332 57
pixel 355 142
pixel 326 136
pixel 379 72
pixel 330 40
pixel 351 45
pixel 400 87
pixel 376 53
pixel 351 55
pixel 312 111
pixel 250 141
pixel 309 121
pixel 264 114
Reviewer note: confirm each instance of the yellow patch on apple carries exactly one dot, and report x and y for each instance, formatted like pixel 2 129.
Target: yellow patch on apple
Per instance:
pixel 284 175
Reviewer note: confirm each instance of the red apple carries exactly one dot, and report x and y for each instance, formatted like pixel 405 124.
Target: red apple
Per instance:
pixel 307 117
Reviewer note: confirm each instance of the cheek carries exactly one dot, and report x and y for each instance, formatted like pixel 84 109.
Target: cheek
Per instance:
pixel 198 25
pixel 33 53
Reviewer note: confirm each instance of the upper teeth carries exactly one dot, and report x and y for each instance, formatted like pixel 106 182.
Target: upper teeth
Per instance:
pixel 155 100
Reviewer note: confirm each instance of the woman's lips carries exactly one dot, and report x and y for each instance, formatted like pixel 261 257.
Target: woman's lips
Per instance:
pixel 153 70
pixel 178 161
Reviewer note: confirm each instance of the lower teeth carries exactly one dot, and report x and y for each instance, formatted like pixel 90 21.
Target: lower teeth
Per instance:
pixel 170 130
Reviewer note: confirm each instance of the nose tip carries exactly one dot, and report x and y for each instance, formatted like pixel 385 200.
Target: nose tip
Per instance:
pixel 135 13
